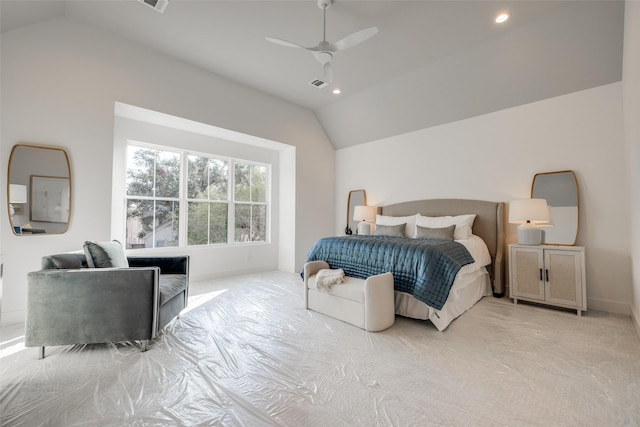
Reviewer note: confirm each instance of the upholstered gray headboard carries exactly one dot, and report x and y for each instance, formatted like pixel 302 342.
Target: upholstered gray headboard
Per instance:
pixel 489 225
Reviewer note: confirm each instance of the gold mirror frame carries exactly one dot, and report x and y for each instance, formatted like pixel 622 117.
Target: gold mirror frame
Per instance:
pixel 352 202
pixel 42 170
pixel 560 190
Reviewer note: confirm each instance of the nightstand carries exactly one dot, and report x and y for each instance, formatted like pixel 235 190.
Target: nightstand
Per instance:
pixel 551 275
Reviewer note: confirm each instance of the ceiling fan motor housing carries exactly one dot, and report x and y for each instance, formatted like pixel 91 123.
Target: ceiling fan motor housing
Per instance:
pixel 323 57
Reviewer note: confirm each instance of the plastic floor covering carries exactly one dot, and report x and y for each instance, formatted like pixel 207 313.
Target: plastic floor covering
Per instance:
pixel 246 353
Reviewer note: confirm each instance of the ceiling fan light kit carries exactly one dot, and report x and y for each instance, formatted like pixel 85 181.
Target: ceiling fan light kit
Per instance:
pixel 324 51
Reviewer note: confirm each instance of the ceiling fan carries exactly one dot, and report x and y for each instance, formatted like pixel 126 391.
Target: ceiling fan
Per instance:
pixel 324 50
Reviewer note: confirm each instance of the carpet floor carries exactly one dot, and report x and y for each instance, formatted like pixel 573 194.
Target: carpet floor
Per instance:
pixel 246 353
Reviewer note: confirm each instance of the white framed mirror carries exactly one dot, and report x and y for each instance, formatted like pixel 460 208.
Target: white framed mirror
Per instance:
pixel 560 190
pixel 38 190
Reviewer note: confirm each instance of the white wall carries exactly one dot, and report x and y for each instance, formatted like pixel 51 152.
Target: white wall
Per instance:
pixel 631 96
pixel 60 81
pixel 495 156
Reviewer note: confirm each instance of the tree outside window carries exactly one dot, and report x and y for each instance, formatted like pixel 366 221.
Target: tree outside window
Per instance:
pixel 208 181
pixel 153 204
pixel 250 196
pixel 154 199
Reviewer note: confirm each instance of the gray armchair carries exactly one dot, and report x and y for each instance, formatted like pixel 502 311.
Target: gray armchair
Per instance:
pixel 69 303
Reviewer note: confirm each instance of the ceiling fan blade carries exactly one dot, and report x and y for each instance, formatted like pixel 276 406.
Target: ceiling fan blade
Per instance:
pixel 327 71
pixel 355 38
pixel 284 43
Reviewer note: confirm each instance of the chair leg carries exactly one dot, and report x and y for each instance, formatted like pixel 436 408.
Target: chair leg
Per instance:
pixel 41 353
pixel 144 345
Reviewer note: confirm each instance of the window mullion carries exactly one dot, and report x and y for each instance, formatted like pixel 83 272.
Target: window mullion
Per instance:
pixel 209 213
pixel 231 206
pixel 183 204
pixel 155 184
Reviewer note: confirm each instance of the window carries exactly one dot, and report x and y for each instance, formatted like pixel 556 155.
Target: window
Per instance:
pixel 153 198
pixel 162 183
pixel 250 202
pixel 207 184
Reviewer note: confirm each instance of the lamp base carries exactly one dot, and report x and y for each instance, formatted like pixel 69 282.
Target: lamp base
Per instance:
pixel 529 235
pixel 364 229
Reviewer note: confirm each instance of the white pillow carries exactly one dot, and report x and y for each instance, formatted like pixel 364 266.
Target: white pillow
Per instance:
pixel 463 224
pixel 410 229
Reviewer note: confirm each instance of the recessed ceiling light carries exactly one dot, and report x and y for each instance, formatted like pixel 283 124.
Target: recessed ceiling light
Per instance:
pixel 502 17
pixel 337 91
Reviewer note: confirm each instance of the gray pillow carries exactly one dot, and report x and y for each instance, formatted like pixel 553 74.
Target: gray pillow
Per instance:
pixel 66 261
pixel 105 254
pixel 445 233
pixel 390 230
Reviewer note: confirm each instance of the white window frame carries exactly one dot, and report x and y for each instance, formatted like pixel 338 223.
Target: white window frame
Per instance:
pixel 183 200
pixel 154 197
pixel 267 202
pixel 185 167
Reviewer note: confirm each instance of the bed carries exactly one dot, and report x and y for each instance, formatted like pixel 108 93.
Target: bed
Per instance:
pixel 482 276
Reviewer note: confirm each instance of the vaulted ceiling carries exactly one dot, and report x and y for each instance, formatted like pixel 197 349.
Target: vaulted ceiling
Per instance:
pixel 432 62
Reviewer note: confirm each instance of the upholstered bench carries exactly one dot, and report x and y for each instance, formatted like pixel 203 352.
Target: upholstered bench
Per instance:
pixel 367 304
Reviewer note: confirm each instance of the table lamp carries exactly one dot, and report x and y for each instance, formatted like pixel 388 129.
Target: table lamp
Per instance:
pixel 17 194
pixel 528 213
pixel 364 214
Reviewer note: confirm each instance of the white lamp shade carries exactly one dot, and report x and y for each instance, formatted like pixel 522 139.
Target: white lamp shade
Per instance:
pixel 364 213
pixel 17 193
pixel 534 211
pixel 528 213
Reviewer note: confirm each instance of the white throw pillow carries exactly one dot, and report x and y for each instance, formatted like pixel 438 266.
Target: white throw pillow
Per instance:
pixel 463 224
pixel 410 229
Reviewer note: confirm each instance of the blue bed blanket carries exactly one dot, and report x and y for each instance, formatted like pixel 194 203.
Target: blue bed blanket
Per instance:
pixel 424 268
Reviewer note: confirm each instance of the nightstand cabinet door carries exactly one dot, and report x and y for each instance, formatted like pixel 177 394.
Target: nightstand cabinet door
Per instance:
pixel 553 275
pixel 527 273
pixel 564 277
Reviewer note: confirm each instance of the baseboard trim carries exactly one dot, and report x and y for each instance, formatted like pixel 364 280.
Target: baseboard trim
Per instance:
pixel 229 273
pixel 12 317
pixel 608 306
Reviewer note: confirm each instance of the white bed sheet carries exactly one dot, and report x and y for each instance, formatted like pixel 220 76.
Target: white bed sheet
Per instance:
pixel 472 283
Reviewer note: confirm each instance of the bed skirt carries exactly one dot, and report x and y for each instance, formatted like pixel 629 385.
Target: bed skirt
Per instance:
pixel 467 290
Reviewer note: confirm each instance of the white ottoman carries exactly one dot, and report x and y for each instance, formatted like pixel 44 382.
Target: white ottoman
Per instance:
pixel 367 304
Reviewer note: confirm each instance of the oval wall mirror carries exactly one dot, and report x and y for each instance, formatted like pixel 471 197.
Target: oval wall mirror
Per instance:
pixel 38 190
pixel 560 189
pixel 356 198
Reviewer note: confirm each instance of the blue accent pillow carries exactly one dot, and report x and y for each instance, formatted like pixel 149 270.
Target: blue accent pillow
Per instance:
pixel 105 254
